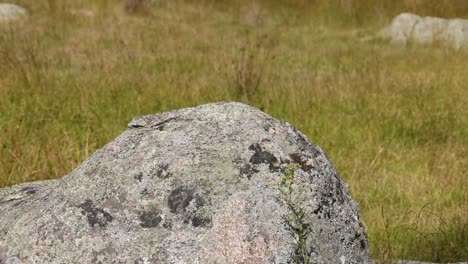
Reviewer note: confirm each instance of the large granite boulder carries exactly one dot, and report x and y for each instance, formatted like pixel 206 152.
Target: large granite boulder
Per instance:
pixel 427 30
pixel 209 184
pixel 10 12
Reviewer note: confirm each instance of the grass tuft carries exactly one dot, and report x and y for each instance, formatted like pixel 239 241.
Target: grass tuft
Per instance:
pixel 137 7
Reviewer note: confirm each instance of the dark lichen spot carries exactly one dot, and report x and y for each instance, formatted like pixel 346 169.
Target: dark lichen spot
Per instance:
pixel 358 236
pixel 144 192
pixel 322 209
pixel 139 176
pixel 94 214
pixel 163 171
pixel 150 218
pixel 318 210
pixel 179 199
pixel 167 224
pixel 363 244
pixel 301 139
pixel 247 171
pixel 29 190
pixel 200 221
pixel 199 201
pixel 297 158
pixel 339 191
pixel 260 156
pixel 267 127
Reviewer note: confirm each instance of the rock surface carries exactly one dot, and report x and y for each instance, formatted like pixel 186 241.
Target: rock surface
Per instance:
pixel 196 185
pixel 410 27
pixel 10 12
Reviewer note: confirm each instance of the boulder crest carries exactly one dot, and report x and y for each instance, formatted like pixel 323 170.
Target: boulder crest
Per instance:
pixel 196 185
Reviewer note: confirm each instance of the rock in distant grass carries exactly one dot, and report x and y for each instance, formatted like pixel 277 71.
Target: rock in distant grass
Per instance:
pixel 427 30
pixel 10 12
pixel 401 28
pixel 197 185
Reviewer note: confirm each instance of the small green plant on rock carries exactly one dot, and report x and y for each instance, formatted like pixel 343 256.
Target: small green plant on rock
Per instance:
pixel 295 218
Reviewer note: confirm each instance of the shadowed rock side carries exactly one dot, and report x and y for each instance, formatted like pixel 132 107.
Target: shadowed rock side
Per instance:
pixel 197 185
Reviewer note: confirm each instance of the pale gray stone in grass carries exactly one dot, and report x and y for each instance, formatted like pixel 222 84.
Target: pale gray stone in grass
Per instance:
pixel 10 12
pixel 400 29
pixel 410 27
pixel 429 30
pixel 196 185
pixel 456 33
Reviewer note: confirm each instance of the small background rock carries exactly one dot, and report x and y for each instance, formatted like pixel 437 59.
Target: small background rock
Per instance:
pixel 410 27
pixel 10 12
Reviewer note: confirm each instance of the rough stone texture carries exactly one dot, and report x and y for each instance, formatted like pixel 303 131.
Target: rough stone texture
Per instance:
pixel 456 33
pixel 429 30
pixel 10 12
pixel 197 185
pixel 410 27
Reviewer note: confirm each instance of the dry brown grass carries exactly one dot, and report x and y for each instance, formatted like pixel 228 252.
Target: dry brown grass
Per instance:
pixel 137 6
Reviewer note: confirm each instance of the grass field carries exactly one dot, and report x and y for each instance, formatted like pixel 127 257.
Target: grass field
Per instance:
pixel 394 120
